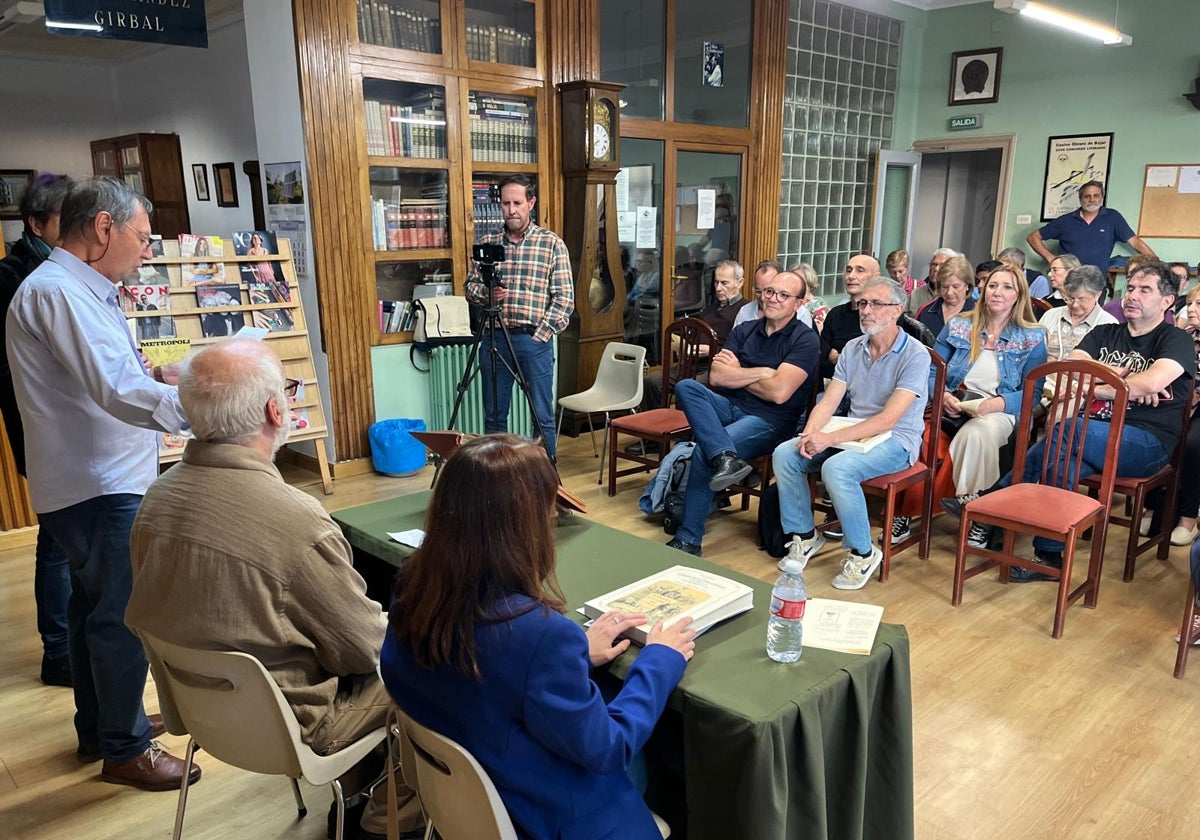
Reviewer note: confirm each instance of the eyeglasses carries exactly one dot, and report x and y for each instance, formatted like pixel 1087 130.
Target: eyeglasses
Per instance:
pixel 1057 268
pixel 863 303
pixel 777 294
pixel 291 387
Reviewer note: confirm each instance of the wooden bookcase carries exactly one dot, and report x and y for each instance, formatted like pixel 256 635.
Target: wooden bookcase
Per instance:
pixel 152 165
pixel 450 98
pixel 291 346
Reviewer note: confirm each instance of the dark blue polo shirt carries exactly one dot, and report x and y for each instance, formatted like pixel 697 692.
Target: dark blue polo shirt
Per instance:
pixel 797 344
pixel 1093 243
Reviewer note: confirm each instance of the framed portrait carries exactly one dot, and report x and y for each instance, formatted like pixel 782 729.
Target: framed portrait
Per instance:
pixel 226 183
pixel 1071 161
pixel 975 76
pixel 200 176
pixel 13 183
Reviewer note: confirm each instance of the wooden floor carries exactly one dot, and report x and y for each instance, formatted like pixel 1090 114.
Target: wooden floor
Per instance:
pixel 1016 735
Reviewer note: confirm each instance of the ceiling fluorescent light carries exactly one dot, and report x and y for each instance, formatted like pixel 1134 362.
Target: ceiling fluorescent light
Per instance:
pixel 1072 23
pixel 87 27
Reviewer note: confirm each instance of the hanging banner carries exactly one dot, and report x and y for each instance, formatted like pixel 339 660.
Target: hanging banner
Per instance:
pixel 180 22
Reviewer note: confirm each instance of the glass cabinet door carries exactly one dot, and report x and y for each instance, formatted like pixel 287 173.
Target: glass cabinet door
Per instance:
pixel 503 127
pixel 409 208
pixel 639 230
pixel 501 32
pixel 401 24
pixel 404 119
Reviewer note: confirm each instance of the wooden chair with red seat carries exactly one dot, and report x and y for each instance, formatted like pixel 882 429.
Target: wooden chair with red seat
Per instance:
pixel 693 340
pixel 1136 491
pixel 921 474
pixel 1051 507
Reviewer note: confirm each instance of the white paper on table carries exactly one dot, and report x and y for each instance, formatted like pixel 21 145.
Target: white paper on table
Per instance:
pixel 412 538
pixel 622 191
pixel 1161 176
pixel 706 209
pixel 647 227
pixel 1189 179
pixel 845 626
pixel 626 225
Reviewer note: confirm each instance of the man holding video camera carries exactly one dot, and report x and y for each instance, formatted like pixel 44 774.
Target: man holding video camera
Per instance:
pixel 536 295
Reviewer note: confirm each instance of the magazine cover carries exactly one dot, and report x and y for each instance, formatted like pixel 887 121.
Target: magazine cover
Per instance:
pixel 164 351
pixel 274 320
pixel 221 322
pixel 202 272
pixel 261 243
pixel 150 298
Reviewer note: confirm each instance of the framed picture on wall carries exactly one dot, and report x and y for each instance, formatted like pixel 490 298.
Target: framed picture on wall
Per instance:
pixel 13 183
pixel 975 76
pixel 224 175
pixel 200 176
pixel 1071 161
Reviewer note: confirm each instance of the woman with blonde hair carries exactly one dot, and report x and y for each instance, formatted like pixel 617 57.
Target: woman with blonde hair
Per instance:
pixel 988 354
pixel 480 651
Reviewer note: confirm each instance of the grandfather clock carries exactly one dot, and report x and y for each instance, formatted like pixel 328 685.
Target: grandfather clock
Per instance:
pixel 591 129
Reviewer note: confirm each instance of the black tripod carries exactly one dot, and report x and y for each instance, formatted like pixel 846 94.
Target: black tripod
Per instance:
pixel 492 324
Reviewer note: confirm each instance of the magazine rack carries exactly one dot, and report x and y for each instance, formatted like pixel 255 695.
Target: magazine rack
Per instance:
pixel 291 346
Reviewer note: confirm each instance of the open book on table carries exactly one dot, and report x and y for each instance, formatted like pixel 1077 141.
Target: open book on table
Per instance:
pixel 844 626
pixel 836 424
pixel 673 593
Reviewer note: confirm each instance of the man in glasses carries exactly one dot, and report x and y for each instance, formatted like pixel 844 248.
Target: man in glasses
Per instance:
pixel 885 373
pixel 92 414
pixel 758 390
pixel 767 269
pixel 927 289
pixel 301 608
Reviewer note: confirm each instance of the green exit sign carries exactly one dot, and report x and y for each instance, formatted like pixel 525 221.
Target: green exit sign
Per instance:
pixel 965 123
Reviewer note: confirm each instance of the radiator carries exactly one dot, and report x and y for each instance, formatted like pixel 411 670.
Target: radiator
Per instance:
pixel 445 369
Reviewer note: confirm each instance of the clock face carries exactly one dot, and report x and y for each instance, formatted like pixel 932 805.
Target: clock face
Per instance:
pixel 601 144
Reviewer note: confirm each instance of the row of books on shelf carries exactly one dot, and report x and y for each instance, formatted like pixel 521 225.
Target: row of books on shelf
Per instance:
pixel 503 139
pixel 413 223
pixel 382 23
pixel 501 44
pixel 406 130
pixel 145 303
pixel 396 316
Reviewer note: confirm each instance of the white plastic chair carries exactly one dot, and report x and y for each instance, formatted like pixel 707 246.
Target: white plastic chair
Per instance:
pixel 618 387
pixel 457 796
pixel 231 707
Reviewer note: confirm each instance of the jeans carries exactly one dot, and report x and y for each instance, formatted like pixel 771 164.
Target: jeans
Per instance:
pixel 51 590
pixel 1139 454
pixel 108 663
pixel 536 362
pixel 717 426
pixel 843 473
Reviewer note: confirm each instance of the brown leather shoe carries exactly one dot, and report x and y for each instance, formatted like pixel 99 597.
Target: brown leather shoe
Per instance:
pixel 88 753
pixel 155 769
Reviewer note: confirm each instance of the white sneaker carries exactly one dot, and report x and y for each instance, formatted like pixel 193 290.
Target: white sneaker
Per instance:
pixel 856 571
pixel 1144 525
pixel 803 550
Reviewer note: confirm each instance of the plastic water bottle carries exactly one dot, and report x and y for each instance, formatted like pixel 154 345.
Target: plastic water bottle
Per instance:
pixel 785 633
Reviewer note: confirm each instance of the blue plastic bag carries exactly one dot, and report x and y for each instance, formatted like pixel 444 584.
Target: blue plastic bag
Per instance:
pixel 393 450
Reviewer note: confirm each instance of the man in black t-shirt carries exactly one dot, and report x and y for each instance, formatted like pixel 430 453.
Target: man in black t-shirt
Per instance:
pixel 1158 362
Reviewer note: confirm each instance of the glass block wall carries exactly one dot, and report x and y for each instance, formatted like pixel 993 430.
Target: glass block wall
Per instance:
pixel 842 74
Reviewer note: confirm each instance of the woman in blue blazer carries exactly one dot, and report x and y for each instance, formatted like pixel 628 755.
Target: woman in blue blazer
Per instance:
pixel 480 651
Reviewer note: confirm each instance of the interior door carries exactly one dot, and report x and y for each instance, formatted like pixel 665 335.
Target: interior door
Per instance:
pixel 894 207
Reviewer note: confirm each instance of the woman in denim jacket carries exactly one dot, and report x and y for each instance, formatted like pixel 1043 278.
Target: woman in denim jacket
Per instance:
pixel 988 353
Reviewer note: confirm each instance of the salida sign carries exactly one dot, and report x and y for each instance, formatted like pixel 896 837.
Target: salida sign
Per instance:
pixel 180 22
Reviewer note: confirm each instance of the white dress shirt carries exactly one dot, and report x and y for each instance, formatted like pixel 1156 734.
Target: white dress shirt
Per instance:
pixel 91 411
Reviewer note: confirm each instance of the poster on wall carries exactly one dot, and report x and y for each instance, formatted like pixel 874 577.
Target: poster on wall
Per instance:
pixel 287 217
pixel 151 21
pixel 714 64
pixel 1071 161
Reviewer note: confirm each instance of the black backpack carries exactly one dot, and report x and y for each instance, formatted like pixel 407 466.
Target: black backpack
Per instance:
pixel 771 538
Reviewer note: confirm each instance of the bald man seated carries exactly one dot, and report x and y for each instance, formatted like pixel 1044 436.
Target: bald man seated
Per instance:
pixel 227 556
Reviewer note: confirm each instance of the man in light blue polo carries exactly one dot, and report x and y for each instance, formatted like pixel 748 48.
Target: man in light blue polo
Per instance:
pixel 886 373
pixel 1089 232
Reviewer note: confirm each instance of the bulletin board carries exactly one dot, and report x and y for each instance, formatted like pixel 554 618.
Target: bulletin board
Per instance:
pixel 1171 201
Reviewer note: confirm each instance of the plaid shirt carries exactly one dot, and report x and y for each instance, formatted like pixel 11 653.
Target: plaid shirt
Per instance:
pixel 537 273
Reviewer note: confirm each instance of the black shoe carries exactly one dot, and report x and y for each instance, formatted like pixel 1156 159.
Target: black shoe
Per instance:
pixel 832 531
pixel 645 447
pixel 57 671
pixel 954 504
pixel 1050 561
pixel 728 469
pixel 686 547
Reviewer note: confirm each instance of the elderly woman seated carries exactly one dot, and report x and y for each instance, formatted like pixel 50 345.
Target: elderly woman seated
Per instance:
pixel 1067 325
pixel 955 280
pixel 1060 267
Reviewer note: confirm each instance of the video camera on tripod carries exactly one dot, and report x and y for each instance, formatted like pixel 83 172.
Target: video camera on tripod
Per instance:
pixel 486 256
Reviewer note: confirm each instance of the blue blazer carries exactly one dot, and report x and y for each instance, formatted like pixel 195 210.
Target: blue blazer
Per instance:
pixel 557 753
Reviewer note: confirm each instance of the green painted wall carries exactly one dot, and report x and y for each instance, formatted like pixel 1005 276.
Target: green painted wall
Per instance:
pixel 401 391
pixel 1053 82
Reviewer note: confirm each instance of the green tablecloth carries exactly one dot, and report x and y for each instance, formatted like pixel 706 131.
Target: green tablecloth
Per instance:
pixel 818 749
